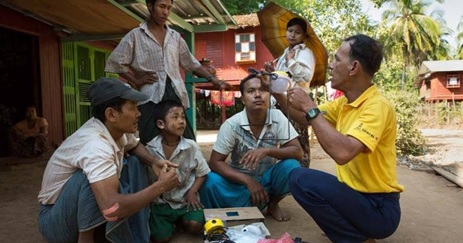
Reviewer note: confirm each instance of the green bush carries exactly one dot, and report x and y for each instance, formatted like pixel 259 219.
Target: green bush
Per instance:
pixel 409 141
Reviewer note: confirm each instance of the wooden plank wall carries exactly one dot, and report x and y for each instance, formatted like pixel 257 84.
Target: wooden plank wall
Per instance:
pixel 220 48
pixel 439 91
pixel 49 60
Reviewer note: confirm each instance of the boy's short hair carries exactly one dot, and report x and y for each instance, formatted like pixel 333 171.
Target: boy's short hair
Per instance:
pixel 163 107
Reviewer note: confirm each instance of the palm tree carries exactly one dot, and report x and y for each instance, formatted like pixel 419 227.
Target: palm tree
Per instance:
pixel 416 34
pixel 459 54
pixel 442 51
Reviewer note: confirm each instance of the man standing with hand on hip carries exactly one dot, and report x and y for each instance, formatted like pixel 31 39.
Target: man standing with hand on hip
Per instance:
pixel 149 58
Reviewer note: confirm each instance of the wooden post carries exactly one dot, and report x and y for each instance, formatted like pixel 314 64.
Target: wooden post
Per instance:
pixel 223 107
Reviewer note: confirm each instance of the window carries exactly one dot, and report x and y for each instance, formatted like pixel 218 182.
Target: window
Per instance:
pixel 453 81
pixel 245 48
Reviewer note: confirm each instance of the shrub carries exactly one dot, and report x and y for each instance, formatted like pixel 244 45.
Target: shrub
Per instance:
pixel 409 141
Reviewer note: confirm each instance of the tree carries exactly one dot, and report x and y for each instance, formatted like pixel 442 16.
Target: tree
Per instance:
pixel 442 51
pixel 459 54
pixel 334 20
pixel 241 7
pixel 235 7
pixel 413 34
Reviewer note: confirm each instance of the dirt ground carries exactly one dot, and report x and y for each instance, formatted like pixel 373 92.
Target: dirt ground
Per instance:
pixel 432 208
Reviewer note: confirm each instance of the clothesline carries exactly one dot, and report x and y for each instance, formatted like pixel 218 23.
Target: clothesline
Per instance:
pixel 226 98
pixel 207 92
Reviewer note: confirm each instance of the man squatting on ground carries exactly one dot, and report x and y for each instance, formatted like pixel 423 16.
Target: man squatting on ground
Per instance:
pixel 264 150
pixel 95 177
pixel 358 130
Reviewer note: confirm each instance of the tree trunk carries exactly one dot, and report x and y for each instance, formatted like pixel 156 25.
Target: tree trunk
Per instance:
pixel 403 78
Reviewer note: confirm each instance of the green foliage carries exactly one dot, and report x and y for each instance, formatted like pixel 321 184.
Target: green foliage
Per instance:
pixel 409 35
pixel 378 3
pixel 241 7
pixel 417 35
pixel 334 20
pixel 389 76
pixel 459 54
pixel 459 51
pixel 409 141
pixel 442 110
pixel 409 138
pixel 235 7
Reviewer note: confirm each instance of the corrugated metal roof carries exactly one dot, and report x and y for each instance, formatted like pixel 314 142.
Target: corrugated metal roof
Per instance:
pixel 440 66
pixel 195 11
pixel 111 19
pixel 198 12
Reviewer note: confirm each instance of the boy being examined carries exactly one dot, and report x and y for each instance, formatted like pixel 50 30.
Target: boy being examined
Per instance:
pixel 181 204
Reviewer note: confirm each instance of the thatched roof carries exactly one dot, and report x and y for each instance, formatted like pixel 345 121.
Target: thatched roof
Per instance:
pixel 246 20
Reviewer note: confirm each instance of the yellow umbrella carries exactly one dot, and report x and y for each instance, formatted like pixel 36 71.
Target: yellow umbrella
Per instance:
pixel 273 19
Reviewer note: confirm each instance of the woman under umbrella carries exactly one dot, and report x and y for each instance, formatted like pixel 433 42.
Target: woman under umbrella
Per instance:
pixel 299 62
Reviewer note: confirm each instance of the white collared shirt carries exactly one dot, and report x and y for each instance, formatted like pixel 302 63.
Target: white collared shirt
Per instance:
pixel 191 164
pixel 301 67
pixel 91 149
pixel 139 51
pixel 235 137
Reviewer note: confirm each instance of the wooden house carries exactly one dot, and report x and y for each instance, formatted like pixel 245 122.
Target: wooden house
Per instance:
pixel 51 51
pixel 441 80
pixel 234 51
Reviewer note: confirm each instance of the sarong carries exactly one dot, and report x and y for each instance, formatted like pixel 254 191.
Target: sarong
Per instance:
pixel 76 209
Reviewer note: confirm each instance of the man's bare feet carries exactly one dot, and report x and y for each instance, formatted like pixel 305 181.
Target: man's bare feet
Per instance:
pixel 277 213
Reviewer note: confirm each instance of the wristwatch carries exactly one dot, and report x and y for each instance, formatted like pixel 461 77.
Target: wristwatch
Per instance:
pixel 312 113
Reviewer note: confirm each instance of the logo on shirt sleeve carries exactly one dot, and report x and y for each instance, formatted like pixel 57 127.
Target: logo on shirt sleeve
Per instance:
pixel 361 129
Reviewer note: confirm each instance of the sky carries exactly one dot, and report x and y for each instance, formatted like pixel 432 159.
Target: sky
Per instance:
pixel 452 13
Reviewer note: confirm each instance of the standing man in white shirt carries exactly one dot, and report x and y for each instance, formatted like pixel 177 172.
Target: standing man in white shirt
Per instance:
pixel 149 58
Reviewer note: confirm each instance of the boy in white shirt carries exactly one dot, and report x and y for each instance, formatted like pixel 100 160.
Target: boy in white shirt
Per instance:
pixel 181 204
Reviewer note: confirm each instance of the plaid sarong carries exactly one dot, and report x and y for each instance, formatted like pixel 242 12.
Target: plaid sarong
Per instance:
pixel 76 209
pixel 26 147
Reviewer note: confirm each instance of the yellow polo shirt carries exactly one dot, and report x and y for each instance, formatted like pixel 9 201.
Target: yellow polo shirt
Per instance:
pixel 372 120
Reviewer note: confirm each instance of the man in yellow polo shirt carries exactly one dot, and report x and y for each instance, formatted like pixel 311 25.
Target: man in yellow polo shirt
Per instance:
pixel 358 130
